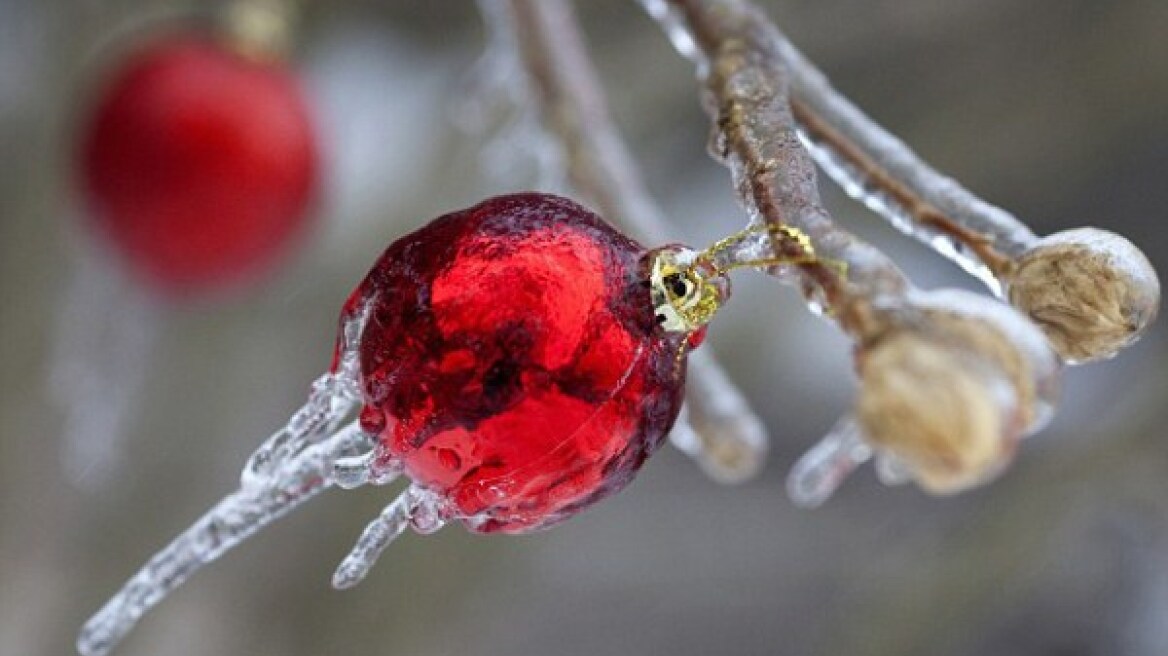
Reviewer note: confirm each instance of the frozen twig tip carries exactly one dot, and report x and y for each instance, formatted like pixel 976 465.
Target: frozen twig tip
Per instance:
pixel 1092 292
pixel 951 395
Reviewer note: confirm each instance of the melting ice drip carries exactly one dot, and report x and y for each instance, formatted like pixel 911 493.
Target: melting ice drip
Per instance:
pixel 314 451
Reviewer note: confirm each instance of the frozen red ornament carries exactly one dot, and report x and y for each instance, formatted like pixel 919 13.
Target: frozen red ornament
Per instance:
pixel 198 163
pixel 516 361
pixel 512 361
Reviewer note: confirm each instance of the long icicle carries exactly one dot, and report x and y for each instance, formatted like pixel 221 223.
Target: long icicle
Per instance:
pixel 238 516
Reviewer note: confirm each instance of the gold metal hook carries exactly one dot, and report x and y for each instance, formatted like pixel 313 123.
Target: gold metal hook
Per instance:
pixel 689 287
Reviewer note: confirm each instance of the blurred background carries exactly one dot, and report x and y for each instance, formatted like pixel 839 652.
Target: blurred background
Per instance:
pixel 1055 109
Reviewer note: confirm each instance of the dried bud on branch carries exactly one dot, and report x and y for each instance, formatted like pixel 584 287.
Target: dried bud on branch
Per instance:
pixel 950 395
pixel 1092 292
pixel 950 380
pixel 933 409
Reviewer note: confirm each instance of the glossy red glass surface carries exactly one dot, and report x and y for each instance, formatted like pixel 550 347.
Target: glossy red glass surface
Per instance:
pixel 198 164
pixel 511 362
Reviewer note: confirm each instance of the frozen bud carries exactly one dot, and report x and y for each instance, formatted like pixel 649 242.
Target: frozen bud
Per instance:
pixel 1091 291
pixel 949 392
pixel 937 410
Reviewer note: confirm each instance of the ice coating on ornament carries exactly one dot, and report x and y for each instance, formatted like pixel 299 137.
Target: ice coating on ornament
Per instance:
pixel 513 354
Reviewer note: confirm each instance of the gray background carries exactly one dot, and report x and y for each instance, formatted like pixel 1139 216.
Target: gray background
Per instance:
pixel 1056 109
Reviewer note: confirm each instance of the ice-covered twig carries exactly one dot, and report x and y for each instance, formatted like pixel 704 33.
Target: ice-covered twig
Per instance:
pixel 497 107
pixel 949 381
pixel 877 168
pixel 731 440
pixel 1115 294
pixel 257 503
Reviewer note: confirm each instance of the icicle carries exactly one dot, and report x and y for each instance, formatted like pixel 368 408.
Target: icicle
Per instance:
pixel 324 409
pixel 333 397
pixel 817 475
pixel 290 467
pixel 414 507
pixel 232 520
pixel 353 472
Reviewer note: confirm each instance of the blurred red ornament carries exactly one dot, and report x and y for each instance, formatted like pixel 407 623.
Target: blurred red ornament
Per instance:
pixel 199 163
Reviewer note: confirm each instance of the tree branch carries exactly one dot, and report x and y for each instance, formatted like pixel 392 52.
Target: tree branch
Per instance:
pixel 1091 291
pixel 930 364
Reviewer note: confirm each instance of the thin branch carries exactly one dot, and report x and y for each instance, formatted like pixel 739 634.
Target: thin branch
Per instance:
pixel 859 173
pixel 930 364
pixel 574 110
pixel 1091 291
pixel 867 160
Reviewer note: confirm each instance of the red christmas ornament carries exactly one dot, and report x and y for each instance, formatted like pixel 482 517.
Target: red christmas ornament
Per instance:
pixel 511 362
pixel 517 361
pixel 198 163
